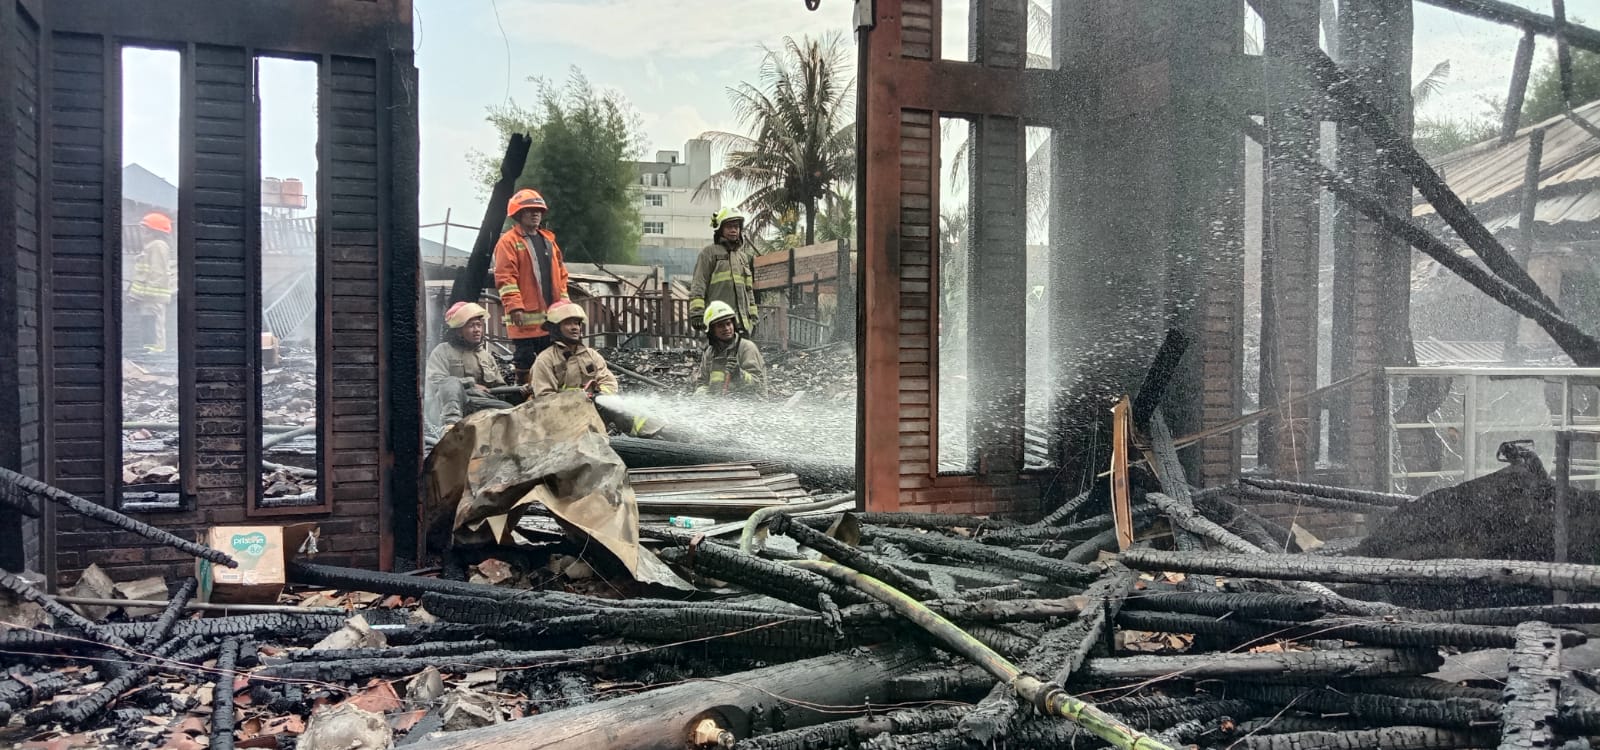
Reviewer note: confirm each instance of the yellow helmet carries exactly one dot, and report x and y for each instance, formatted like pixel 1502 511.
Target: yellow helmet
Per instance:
pixel 565 311
pixel 718 310
pixel 724 216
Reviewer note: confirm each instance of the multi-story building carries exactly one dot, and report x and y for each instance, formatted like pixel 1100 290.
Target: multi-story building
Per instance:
pixel 674 217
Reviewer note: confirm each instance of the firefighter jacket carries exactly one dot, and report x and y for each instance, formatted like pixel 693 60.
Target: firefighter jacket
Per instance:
pixel 452 360
pixel 153 278
pixel 530 282
pixel 567 367
pixel 727 275
pixel 735 367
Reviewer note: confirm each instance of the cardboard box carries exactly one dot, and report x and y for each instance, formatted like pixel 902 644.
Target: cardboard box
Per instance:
pixel 263 553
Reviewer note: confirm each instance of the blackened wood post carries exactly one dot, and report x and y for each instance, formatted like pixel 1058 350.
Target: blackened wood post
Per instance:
pixel 1558 525
pixel 1289 253
pixel 1524 253
pixel 1521 69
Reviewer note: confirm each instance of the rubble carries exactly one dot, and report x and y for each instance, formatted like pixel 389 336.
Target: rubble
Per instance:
pixel 999 624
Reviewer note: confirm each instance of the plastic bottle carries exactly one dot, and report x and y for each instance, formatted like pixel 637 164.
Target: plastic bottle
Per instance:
pixel 689 522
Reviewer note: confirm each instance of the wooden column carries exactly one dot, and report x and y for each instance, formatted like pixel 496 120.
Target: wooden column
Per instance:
pixel 1372 292
pixel 1289 255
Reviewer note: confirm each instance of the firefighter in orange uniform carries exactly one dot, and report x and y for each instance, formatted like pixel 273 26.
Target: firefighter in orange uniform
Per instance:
pixel 531 276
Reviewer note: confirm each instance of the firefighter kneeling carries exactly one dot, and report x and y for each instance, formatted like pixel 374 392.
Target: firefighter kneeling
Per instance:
pixel 460 371
pixel 731 363
pixel 568 365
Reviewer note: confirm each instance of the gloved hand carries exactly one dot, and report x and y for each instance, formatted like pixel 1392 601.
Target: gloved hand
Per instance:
pixel 697 322
pixel 590 388
pixel 755 313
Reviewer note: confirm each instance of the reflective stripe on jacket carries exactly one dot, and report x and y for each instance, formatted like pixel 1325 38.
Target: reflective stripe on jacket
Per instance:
pixel 153 277
pixel 566 367
pixel 729 276
pixel 516 273
pixel 734 368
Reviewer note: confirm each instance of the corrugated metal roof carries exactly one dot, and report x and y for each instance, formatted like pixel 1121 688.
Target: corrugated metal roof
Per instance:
pixel 1488 176
pixel 1432 351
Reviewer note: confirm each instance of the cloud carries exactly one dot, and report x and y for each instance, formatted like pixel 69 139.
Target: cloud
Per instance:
pixel 690 29
pixel 669 128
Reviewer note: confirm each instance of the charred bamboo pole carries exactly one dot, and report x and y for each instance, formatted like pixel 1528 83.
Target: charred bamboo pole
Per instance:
pixel 1533 686
pixel 1026 562
pixel 850 556
pixel 222 717
pixel 1392 738
pixel 62 614
pixel 169 616
pixel 15 488
pixel 1354 662
pixel 1048 698
pixel 853 732
pixel 1292 607
pixel 661 719
pixel 1373 570
pixel 1386 499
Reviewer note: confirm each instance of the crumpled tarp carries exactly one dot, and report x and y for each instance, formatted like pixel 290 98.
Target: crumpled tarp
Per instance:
pixel 494 466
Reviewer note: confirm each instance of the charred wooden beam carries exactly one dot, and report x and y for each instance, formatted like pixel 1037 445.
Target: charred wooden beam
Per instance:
pixel 81 711
pixel 1386 499
pixel 1067 509
pixel 850 556
pixel 280 626
pixel 853 732
pixel 979 611
pixel 24 590
pixel 1533 687
pixel 1555 614
pixel 1059 652
pixel 1292 607
pixel 169 616
pixel 662 719
pixel 1396 738
pixel 1027 562
pixel 1294 724
pixel 1284 497
pixel 355 669
pixel 1368 631
pixel 18 693
pixel 1521 71
pixel 1163 368
pixel 1354 662
pixel 411 651
pixel 468 286
pixel 222 716
pixel 1373 570
pixel 1579 345
pixel 776 580
pixel 1446 713
pixel 1417 687
pixel 14 488
pixel 1506 13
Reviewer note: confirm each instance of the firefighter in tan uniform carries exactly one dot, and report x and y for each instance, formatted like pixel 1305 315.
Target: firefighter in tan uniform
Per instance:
pixel 725 272
pixel 154 281
pixel 460 370
pixel 567 364
pixel 731 363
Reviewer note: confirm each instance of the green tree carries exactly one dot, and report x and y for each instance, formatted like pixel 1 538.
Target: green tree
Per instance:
pixel 1544 90
pixel 585 143
pixel 838 220
pixel 803 144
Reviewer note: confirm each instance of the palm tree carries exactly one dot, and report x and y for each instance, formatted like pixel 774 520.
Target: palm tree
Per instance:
pixel 803 147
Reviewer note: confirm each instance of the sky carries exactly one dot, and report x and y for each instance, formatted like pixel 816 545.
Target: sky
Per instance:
pixel 672 60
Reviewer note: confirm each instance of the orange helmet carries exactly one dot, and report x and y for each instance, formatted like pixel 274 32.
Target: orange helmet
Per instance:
pixel 157 221
pixel 525 198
